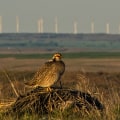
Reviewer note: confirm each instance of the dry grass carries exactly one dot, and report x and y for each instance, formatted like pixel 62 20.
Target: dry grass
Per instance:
pixel 103 84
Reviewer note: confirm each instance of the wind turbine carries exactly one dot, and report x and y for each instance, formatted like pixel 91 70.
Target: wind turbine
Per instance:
pixel 119 29
pixel 40 25
pixel 0 24
pixel 56 25
pixel 107 28
pixel 17 24
pixel 75 31
pixel 92 27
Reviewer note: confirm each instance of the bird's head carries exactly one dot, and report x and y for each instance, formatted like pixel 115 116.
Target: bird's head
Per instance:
pixel 57 57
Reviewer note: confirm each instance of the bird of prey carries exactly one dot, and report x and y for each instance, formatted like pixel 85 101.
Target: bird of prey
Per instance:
pixel 49 73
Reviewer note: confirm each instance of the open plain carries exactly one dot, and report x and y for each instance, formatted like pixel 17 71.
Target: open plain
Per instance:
pixel 98 76
pixel 75 64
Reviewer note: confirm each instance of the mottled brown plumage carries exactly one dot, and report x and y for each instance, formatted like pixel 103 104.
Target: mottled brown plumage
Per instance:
pixel 49 73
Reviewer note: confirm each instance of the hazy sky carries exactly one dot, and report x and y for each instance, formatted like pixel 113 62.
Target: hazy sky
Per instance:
pixel 67 11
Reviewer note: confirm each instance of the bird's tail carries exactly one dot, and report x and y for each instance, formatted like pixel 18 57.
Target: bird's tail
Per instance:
pixel 30 83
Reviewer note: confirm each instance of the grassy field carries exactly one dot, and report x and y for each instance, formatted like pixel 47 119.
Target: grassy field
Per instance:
pixel 100 78
pixel 66 55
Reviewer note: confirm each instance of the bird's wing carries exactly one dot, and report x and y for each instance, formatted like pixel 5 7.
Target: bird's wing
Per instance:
pixel 45 72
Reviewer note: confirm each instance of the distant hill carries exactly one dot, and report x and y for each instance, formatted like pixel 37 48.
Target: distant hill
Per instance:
pixel 59 42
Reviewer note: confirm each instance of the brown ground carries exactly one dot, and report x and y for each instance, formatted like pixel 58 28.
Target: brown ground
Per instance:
pixel 86 65
pixel 103 74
